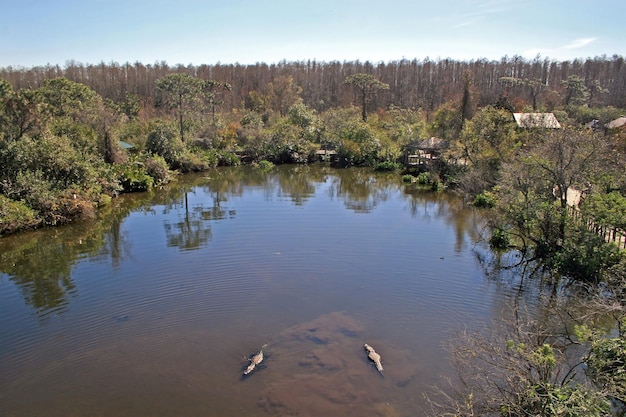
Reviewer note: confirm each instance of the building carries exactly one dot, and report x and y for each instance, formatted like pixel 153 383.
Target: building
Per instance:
pixel 425 151
pixel 619 123
pixel 536 120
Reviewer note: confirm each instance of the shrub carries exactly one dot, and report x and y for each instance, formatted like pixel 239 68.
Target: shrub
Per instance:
pixel 197 160
pixel 437 186
pixel 423 178
pixel 585 256
pixel 229 159
pixel 163 140
pixel 157 168
pixel 485 199
pixel 387 166
pixel 134 177
pixel 605 364
pixel 15 215
pixel 265 165
pixel 408 178
pixel 500 239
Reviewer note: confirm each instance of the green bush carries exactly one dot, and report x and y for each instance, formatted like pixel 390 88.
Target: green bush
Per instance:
pixel 265 165
pixel 229 159
pixel 423 178
pixel 437 186
pixel 196 160
pixel 163 140
pixel 500 239
pixel 387 166
pixel 408 178
pixel 485 199
pixel 157 168
pixel 133 177
pixel 585 256
pixel 606 365
pixel 32 188
pixel 15 215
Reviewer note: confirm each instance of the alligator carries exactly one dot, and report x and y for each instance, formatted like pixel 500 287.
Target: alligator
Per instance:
pixel 375 357
pixel 254 361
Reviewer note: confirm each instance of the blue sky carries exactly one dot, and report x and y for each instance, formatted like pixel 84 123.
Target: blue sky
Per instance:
pixel 40 32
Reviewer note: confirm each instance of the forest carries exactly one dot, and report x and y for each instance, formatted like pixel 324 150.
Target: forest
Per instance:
pixel 72 138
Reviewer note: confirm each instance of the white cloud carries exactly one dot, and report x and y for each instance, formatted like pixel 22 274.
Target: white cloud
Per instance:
pixel 532 53
pixel 579 43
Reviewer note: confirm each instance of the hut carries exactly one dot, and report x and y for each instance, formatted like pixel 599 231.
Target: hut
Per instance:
pixel 536 120
pixel 425 151
pixel 126 146
pixel 619 123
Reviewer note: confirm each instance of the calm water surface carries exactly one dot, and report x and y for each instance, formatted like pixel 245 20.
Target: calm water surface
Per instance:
pixel 154 309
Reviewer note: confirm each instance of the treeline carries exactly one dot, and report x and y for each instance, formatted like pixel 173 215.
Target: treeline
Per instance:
pixel 424 84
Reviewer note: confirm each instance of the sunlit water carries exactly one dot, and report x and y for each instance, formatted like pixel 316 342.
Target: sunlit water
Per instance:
pixel 154 309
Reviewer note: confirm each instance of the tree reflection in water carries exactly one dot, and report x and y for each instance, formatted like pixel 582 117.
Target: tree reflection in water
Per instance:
pixel 40 263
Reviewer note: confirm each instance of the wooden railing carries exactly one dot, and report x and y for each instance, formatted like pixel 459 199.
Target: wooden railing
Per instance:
pixel 608 233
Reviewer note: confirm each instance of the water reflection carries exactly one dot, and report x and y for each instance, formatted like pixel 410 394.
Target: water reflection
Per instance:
pixel 360 190
pixel 451 209
pixel 40 263
pixel 299 184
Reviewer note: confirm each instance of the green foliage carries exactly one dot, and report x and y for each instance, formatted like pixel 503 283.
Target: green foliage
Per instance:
pixel 60 163
pixel 83 137
pixel 424 178
pixel 181 92
pixel 287 143
pixel 566 401
pixel 303 117
pixel 606 210
pixel 484 144
pixel 156 166
pixel 519 369
pixel 576 92
pixel 583 114
pixel 534 202
pixel 54 206
pixel 195 160
pixel 229 159
pixel 366 85
pixel 130 106
pixel 408 178
pixel 16 215
pixel 446 122
pixel 585 256
pixel 265 165
pixel 64 98
pixel 21 112
pixel 134 131
pixel 357 142
pixel 387 166
pixel 438 185
pixel 133 177
pixel 607 365
pixel 163 141
pixel 486 199
pixel 500 239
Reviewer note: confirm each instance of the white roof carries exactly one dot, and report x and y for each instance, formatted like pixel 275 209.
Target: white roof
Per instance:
pixel 530 120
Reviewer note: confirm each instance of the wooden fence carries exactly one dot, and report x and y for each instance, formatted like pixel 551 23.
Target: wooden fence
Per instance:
pixel 610 234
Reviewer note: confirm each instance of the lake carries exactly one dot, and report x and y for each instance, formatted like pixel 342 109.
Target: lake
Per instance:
pixel 154 308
